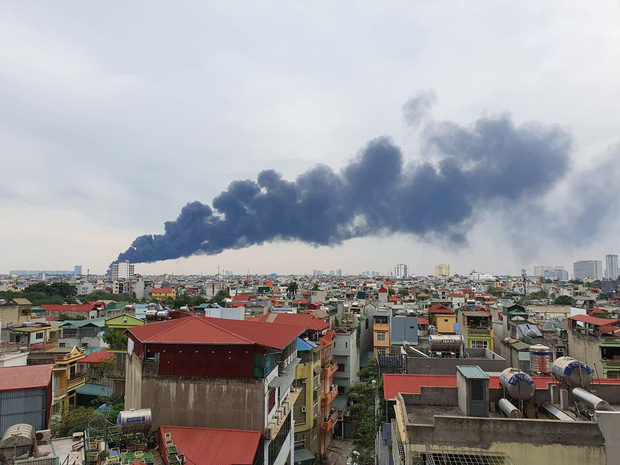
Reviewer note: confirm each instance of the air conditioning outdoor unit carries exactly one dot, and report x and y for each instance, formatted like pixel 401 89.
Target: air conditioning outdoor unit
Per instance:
pixel 44 435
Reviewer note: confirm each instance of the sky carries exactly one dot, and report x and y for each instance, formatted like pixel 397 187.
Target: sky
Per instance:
pixel 481 134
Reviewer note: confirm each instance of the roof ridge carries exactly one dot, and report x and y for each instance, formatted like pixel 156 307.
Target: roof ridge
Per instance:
pixel 211 323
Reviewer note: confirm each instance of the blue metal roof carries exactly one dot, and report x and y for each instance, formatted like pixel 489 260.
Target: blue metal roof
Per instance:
pixel 303 345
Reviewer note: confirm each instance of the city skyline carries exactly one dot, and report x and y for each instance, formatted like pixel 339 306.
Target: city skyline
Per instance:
pixel 116 134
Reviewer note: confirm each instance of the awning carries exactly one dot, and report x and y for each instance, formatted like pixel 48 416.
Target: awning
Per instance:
pixel 303 457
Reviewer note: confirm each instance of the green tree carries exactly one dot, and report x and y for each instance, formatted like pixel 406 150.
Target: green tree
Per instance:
pixel 220 296
pixel 391 291
pixel 65 317
pixel 315 287
pixel 366 418
pixel 291 289
pixel 71 421
pixel 563 300
pixel 115 339
pixel 602 296
pixel 403 292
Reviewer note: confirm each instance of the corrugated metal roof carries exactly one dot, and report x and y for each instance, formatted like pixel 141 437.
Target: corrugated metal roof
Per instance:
pixel 472 372
pixel 97 357
pixel 474 313
pixel 204 330
pixel 25 377
pixel 592 320
pixel 309 319
pixel 211 446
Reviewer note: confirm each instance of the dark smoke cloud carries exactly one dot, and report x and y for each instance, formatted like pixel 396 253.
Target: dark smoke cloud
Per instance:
pixel 491 163
pixel 417 108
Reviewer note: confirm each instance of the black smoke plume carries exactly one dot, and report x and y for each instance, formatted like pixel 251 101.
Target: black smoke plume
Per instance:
pixel 491 164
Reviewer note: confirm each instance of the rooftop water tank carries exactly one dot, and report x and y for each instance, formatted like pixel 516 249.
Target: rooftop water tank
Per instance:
pixel 135 421
pixel 442 342
pixel 540 359
pixel 572 372
pixel 518 384
pixel 17 440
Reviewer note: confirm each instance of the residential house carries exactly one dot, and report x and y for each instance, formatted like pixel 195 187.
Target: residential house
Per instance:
pixel 475 327
pixel 214 372
pixel 14 312
pixel 442 318
pixel 95 367
pixel 162 293
pixel 82 333
pixel 39 334
pixel 67 377
pixel 381 332
pixel 596 341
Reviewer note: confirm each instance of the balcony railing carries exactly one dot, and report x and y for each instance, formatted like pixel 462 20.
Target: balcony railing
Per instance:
pixel 330 369
pixel 611 363
pixel 327 425
pixel 75 382
pixel 60 393
pixel 478 332
pixel 329 395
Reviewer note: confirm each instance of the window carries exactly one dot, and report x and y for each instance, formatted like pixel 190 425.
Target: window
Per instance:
pixel 62 344
pixel 38 336
pixel 380 352
pixel 479 344
pixel 381 336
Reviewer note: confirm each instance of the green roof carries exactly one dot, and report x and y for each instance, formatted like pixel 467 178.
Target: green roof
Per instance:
pixel 98 322
pixel 117 306
pixel 472 372
pixel 301 456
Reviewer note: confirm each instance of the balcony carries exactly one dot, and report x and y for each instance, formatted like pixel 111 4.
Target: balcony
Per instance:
pixel 75 383
pixel 329 395
pixel 477 332
pixel 327 425
pixel 610 363
pixel 282 413
pixel 59 393
pixel 330 369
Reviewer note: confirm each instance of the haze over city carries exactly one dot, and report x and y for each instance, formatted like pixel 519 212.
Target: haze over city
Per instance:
pixel 480 135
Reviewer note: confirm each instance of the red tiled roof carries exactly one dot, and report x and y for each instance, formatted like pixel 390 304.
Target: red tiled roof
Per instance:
pixel 411 384
pixel 25 377
pixel 96 357
pixel 592 320
pixel 303 319
pixel 69 308
pixel 440 309
pixel 211 446
pixel 41 347
pixel 241 298
pixel 162 289
pixel 204 330
pixel 422 321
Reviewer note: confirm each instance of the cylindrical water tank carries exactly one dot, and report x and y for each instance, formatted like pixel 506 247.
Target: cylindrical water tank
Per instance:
pixel 590 399
pixel 572 372
pixel 540 359
pixel 150 314
pixel 444 342
pixel 17 440
pixel 518 384
pixel 509 409
pixel 162 315
pixel 135 421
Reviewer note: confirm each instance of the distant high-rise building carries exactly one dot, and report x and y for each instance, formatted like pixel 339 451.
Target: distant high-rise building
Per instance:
pixel 588 269
pixel 339 273
pixel 77 270
pixel 611 266
pixel 317 273
pixel 556 272
pixel 122 270
pixel 401 271
pixel 442 270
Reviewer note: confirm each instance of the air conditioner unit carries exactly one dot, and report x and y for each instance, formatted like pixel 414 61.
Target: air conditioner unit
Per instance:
pixel 303 410
pixel 44 435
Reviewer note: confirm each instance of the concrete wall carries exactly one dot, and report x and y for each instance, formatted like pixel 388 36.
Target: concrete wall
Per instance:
pixel 609 423
pixel 447 366
pixel 524 441
pixel 202 402
pixel 585 348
